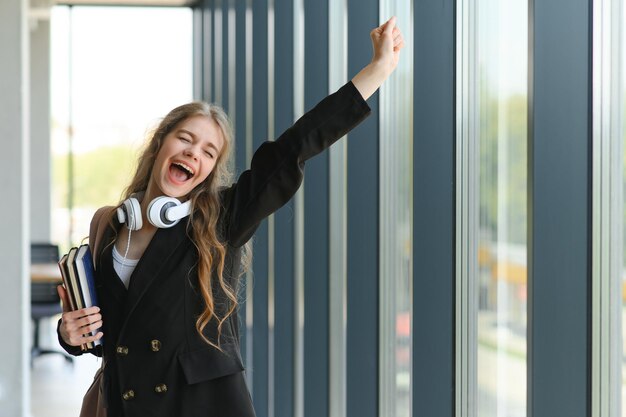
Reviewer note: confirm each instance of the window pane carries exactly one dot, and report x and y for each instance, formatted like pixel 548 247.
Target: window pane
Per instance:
pixel 115 72
pixel 396 197
pixel 501 68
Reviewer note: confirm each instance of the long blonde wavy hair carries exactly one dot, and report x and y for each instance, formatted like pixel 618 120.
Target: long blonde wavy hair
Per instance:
pixel 206 208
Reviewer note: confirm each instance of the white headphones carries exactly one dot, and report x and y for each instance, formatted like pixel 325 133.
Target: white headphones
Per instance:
pixel 163 212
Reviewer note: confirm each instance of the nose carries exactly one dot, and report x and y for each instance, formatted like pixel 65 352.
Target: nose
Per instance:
pixel 191 152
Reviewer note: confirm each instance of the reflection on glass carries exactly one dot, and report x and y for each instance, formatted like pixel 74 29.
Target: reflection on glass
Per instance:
pixel 502 50
pixel 396 173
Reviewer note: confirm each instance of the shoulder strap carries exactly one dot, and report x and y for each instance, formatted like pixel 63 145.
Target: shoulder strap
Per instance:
pixel 97 226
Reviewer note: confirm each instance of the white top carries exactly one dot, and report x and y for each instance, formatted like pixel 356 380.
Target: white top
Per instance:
pixel 124 268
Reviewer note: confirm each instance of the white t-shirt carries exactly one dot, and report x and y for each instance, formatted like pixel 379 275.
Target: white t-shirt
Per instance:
pixel 124 268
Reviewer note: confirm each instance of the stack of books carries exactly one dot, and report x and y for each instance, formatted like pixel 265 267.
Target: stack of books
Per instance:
pixel 78 278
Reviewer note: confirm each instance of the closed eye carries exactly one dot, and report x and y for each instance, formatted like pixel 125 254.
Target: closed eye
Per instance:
pixel 184 139
pixel 209 154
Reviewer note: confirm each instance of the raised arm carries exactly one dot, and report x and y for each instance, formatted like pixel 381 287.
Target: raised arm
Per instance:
pixel 277 167
pixel 387 41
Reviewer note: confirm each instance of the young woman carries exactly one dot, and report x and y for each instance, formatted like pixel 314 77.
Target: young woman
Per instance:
pixel 167 290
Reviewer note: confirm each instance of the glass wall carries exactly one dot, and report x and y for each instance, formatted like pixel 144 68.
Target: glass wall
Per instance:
pixel 396 225
pixel 502 108
pixel 109 88
pixel 499 115
pixel 337 209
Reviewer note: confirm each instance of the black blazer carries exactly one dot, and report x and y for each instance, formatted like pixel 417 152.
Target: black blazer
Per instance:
pixel 156 363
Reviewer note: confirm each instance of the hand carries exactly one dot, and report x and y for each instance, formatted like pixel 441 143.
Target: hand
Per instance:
pixel 387 41
pixel 76 324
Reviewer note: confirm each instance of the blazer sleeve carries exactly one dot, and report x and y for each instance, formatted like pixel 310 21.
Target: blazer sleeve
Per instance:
pixel 277 168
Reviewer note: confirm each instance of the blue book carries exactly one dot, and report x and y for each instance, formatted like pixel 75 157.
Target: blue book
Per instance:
pixel 86 278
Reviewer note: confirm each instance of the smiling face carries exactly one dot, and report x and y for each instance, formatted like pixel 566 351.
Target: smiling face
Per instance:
pixel 187 156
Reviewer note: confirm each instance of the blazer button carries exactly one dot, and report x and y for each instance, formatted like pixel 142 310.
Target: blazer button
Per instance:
pixel 128 395
pixel 155 345
pixel 160 389
pixel 122 350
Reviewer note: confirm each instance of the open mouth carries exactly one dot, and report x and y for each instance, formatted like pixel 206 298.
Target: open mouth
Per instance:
pixel 181 172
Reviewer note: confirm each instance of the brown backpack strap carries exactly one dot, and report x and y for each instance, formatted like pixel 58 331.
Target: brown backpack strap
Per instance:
pixel 96 228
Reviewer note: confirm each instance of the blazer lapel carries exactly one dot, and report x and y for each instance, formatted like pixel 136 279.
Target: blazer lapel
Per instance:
pixel 163 244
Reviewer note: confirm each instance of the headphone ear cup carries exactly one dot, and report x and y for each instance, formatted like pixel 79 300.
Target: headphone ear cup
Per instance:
pixel 157 211
pixel 129 213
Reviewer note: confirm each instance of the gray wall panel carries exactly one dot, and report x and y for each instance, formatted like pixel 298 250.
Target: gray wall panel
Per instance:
pixel 559 209
pixel 434 213
pixel 225 70
pixel 362 263
pixel 316 222
pixel 284 313
pixel 260 371
pixel 240 141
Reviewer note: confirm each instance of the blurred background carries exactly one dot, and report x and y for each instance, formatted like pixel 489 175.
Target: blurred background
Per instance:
pixel 423 268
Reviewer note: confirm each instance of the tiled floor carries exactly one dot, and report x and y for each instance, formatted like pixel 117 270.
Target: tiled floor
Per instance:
pixel 57 387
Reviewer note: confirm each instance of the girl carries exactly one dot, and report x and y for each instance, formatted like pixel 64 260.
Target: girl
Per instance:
pixel 167 290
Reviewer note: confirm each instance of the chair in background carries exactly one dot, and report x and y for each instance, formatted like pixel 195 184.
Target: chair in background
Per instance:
pixel 45 301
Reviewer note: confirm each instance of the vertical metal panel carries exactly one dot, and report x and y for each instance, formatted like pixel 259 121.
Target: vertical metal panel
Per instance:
pixel 298 109
pixel 240 120
pixel 249 149
pixel 608 209
pixel 207 52
pixel 218 53
pixel 260 263
pixel 231 57
pixel 559 209
pixel 14 241
pixel 224 70
pixel 433 208
pixel 271 236
pixel 198 51
pixel 316 220
pixel 284 223
pixel 40 154
pixel 202 50
pixel 362 265
pixel 467 209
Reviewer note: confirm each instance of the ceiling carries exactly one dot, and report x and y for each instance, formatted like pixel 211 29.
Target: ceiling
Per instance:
pixel 127 2
pixel 40 9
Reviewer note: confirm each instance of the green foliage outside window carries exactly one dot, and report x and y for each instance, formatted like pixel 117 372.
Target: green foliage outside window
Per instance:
pixel 100 176
pixel 514 201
